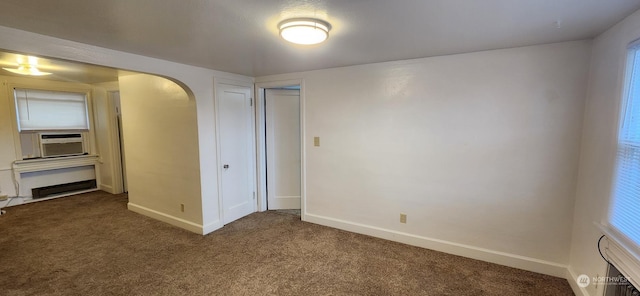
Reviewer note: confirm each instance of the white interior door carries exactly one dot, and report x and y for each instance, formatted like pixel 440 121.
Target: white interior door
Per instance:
pixel 283 148
pixel 236 151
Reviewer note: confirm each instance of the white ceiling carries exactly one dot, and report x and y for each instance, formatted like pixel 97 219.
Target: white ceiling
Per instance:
pixel 241 37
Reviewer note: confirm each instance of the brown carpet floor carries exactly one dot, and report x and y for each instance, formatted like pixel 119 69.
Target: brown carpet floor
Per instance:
pixel 91 244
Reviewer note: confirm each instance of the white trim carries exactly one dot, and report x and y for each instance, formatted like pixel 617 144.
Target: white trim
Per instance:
pixel 571 278
pixel 303 153
pixel 44 164
pixel 279 83
pixel 211 227
pixel 261 156
pixel 233 82
pixel 619 250
pixel 107 188
pixel 261 142
pixel 623 260
pixel 621 255
pixel 175 221
pixel 114 143
pixel 502 258
pixel 216 111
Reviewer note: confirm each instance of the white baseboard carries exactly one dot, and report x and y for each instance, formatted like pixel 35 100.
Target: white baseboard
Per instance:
pixel 107 188
pixel 571 278
pixel 175 221
pixel 507 259
pixel 211 227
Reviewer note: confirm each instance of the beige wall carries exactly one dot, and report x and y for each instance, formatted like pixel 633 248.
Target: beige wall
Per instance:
pixel 479 150
pixel 161 149
pixel 599 146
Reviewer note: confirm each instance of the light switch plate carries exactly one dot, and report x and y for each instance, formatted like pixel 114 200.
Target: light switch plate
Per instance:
pixel 316 141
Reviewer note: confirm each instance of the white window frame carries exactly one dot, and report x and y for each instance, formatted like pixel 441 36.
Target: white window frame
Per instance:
pixel 621 251
pixel 89 136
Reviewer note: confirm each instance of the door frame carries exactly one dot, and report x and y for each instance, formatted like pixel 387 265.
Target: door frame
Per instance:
pixel 217 82
pixel 261 172
pixel 118 161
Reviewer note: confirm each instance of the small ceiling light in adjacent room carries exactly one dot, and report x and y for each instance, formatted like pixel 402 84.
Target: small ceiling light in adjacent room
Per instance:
pixel 304 31
pixel 29 68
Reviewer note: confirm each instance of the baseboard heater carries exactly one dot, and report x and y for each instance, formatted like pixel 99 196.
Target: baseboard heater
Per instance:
pixel 626 290
pixel 63 188
pixel 620 287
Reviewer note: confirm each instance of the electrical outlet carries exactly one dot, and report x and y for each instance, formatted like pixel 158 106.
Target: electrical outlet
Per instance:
pixel 3 197
pixel 403 218
pixel 182 208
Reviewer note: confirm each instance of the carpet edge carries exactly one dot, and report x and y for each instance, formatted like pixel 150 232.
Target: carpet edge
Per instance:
pixel 501 258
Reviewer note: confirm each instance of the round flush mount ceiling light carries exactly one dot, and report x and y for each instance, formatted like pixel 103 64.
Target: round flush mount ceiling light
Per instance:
pixel 306 31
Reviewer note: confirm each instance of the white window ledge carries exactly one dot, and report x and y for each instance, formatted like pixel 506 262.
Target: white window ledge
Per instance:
pixel 621 254
pixel 54 163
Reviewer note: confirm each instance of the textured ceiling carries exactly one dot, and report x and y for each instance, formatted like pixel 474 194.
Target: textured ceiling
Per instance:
pixel 241 36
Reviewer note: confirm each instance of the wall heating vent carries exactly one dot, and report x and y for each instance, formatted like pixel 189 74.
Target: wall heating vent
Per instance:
pixel 63 188
pixel 626 290
pixel 619 287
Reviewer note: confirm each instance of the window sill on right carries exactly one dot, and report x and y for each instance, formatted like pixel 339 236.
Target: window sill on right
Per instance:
pixel 621 254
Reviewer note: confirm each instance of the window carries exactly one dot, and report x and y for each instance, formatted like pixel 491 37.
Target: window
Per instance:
pixel 41 110
pixel 624 214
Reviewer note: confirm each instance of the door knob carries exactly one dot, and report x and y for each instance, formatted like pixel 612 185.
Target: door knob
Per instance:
pixel 226 166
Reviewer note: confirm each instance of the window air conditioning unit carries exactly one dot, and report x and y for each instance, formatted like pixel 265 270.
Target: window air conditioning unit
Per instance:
pixel 61 144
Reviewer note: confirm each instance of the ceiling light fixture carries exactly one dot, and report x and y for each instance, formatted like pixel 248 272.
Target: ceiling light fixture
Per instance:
pixel 306 31
pixel 30 68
